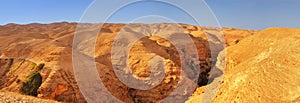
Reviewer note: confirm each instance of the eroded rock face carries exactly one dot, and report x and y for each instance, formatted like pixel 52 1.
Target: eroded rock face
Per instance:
pixel 51 44
pixel 40 43
pixel 14 79
pixel 157 55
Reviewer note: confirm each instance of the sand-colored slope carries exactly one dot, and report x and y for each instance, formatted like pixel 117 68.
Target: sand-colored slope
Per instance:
pixel 262 68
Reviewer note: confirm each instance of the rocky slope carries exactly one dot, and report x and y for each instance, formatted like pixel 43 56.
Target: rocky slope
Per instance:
pixel 261 68
pixel 51 45
pixel 14 79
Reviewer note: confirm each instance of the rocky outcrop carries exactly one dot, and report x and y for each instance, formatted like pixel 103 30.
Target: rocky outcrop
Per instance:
pixel 49 44
pixel 14 79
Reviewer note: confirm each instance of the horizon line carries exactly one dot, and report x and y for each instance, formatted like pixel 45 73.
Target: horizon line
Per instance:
pixel 45 23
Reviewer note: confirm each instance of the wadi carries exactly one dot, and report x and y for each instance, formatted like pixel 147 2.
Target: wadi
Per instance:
pixel 37 63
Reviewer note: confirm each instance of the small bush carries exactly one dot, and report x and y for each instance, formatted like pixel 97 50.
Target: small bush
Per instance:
pixel 40 66
pixel 30 87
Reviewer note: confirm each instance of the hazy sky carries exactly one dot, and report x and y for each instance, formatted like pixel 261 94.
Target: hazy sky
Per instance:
pixel 247 14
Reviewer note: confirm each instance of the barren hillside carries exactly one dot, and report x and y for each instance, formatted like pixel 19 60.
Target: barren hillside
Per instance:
pixel 36 59
pixel 261 68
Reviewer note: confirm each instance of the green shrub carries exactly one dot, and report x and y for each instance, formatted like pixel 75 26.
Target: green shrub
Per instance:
pixel 30 87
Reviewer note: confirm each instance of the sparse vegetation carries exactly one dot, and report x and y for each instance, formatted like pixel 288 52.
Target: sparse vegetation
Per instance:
pixel 32 66
pixel 40 66
pixel 30 87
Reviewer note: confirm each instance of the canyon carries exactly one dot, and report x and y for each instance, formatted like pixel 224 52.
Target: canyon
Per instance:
pixel 256 65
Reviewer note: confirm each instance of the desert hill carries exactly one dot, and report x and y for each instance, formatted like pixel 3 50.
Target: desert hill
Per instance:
pixel 51 45
pixel 270 72
pixel 261 68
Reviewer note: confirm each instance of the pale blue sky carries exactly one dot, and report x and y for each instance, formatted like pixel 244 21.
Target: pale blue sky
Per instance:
pixel 247 14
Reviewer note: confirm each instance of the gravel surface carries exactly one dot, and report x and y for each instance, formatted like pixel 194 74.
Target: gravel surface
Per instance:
pixel 7 97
